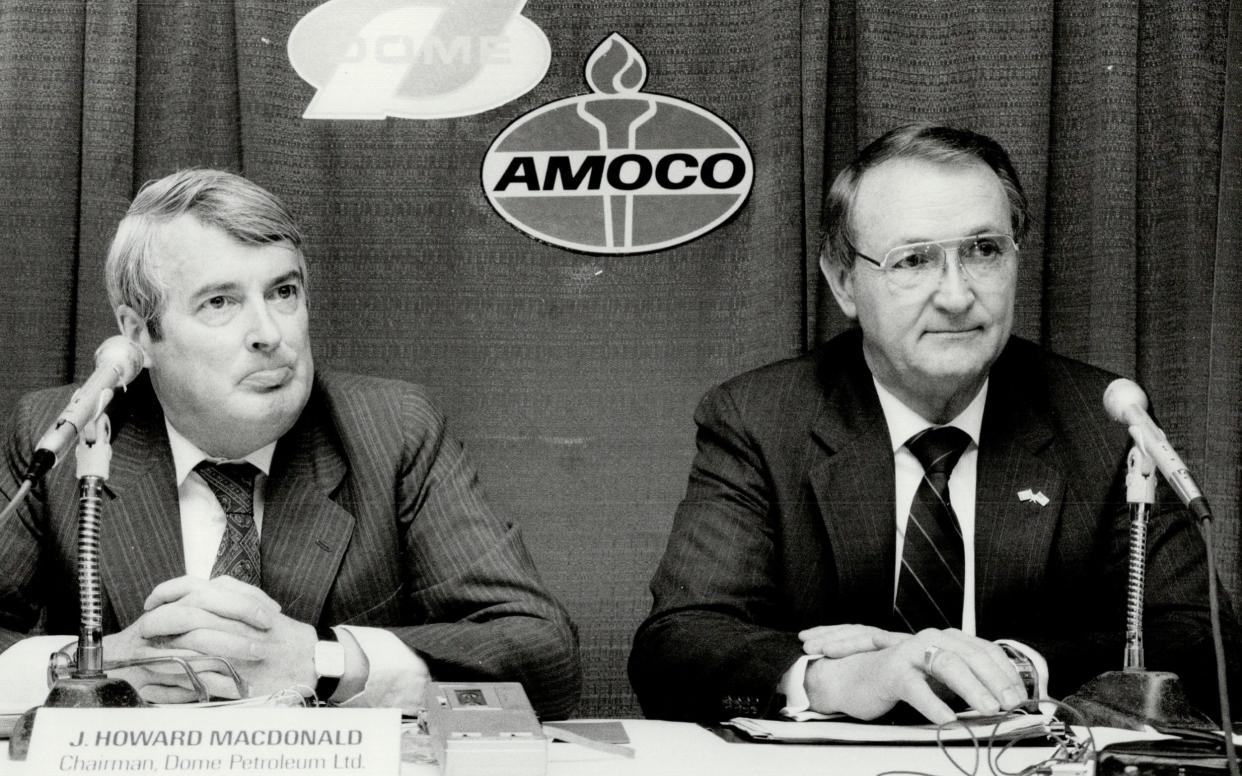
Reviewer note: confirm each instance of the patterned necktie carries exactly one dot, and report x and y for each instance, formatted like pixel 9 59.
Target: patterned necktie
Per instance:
pixel 233 484
pixel 929 587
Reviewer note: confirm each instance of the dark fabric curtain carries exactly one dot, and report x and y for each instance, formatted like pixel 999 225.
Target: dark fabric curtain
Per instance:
pixel 571 377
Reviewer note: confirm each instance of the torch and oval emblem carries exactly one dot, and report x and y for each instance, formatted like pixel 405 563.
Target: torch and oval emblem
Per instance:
pixel 617 170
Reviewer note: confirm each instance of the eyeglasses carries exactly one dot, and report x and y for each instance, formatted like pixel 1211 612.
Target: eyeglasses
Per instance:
pixel 985 258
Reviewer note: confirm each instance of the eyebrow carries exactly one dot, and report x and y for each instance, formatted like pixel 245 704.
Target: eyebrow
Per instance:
pixel 213 290
pixel 293 274
pixel 989 229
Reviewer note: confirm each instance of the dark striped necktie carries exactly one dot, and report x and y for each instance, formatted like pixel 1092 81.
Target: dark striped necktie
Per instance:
pixel 933 568
pixel 233 484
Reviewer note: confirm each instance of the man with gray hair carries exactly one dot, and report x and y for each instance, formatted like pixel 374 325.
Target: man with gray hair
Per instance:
pixel 924 510
pixel 320 530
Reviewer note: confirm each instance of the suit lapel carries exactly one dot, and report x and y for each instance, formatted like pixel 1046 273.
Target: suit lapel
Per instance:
pixel 854 487
pixel 1013 535
pixel 140 543
pixel 305 533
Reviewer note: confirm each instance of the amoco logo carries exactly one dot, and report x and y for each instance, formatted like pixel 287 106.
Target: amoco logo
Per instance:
pixel 416 59
pixel 618 170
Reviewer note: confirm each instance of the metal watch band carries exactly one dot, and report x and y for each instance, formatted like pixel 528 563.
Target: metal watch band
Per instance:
pixel 1026 670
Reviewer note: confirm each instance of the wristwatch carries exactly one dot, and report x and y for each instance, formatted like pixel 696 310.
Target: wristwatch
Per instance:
pixel 329 664
pixel 1026 670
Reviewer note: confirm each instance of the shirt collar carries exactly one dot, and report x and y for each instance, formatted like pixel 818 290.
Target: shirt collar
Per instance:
pixel 186 455
pixel 904 422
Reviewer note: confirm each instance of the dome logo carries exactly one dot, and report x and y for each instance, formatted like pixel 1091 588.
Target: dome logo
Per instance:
pixel 416 59
pixel 618 170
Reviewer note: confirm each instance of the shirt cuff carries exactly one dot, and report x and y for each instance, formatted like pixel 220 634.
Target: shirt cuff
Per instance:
pixel 793 685
pixel 397 677
pixel 23 669
pixel 1038 665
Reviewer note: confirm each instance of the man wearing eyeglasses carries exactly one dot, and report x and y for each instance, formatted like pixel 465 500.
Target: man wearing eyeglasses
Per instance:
pixel 924 510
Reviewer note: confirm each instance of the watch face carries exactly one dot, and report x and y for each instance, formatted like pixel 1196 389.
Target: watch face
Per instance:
pixel 329 659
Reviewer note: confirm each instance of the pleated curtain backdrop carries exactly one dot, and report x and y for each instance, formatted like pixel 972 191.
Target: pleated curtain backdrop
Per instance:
pixel 572 377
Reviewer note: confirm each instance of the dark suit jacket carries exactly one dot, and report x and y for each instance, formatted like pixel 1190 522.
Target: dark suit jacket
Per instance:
pixel 788 523
pixel 373 516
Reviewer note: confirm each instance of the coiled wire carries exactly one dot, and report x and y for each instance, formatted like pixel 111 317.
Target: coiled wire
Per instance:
pixel 1135 581
pixel 90 591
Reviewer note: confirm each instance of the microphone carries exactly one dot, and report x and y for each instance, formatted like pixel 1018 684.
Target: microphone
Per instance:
pixel 117 362
pixel 1126 403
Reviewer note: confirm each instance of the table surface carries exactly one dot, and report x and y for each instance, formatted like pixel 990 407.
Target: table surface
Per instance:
pixel 683 749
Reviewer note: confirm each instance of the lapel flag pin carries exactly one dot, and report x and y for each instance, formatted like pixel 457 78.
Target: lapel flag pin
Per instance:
pixel 1033 495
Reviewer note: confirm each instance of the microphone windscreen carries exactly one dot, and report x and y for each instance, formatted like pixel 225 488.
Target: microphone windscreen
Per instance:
pixel 121 354
pixel 1120 396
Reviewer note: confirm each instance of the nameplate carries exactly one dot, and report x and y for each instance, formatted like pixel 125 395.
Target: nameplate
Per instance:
pixel 226 741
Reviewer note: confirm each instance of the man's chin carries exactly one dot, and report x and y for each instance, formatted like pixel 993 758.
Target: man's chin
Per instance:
pixel 956 375
pixel 250 432
pixel 268 413
pixel 279 407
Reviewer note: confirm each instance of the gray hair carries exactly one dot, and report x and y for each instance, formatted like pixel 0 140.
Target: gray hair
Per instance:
pixel 938 144
pixel 245 211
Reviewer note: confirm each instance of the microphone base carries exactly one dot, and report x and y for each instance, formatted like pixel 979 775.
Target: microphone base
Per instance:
pixel 74 693
pixel 1135 699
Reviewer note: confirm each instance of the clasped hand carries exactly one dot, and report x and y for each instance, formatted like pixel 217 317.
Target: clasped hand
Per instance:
pixel 868 670
pixel 220 617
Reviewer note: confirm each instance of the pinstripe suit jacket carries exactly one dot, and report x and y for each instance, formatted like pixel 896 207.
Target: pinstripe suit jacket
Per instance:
pixel 373 516
pixel 788 522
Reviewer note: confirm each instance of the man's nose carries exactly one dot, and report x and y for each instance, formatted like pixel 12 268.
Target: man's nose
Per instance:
pixel 263 334
pixel 953 291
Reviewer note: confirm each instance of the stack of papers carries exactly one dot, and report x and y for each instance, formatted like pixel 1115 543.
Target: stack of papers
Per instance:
pixel 844 731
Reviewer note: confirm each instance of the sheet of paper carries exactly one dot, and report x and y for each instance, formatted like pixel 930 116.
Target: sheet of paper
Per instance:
pixel 863 733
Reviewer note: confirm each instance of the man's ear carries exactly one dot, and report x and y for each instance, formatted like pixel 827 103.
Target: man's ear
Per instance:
pixel 841 281
pixel 134 327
